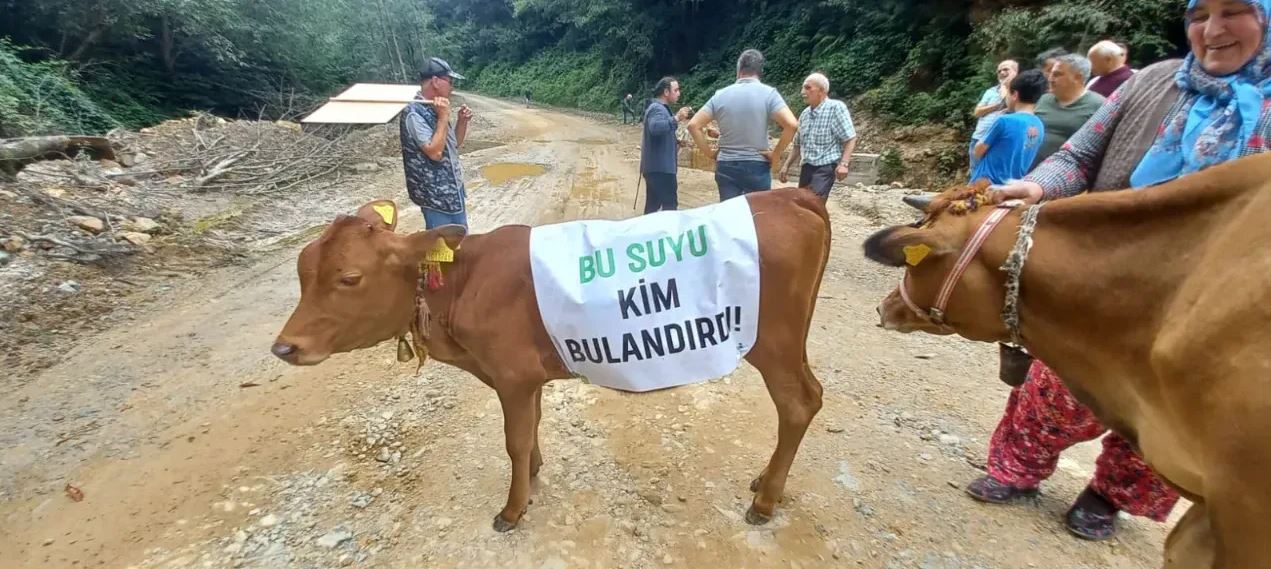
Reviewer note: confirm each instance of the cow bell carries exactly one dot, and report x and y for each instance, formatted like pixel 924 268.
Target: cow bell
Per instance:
pixel 404 351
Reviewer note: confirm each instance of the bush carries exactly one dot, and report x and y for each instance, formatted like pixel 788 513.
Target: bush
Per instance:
pixel 582 80
pixel 891 167
pixel 1152 28
pixel 950 160
pixel 44 98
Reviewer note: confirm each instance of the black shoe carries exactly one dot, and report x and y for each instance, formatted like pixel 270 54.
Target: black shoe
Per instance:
pixel 988 489
pixel 1092 517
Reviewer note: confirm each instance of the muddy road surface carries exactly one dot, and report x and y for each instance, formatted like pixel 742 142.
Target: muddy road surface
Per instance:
pixel 194 447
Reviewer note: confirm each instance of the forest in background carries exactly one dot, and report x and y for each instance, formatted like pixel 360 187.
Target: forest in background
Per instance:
pixel 87 66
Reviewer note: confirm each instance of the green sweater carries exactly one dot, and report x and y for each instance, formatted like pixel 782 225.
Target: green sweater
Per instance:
pixel 1063 121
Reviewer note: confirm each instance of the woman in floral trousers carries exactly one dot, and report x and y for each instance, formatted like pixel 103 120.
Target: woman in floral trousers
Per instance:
pixel 1042 420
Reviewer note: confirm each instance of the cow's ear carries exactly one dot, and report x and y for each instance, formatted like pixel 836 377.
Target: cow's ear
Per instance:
pixel 380 213
pixel 452 235
pixel 906 245
pixel 437 245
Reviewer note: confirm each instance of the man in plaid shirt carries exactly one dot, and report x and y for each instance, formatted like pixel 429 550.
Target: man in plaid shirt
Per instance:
pixel 826 139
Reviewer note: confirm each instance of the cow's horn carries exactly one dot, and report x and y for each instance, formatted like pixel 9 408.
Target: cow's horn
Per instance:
pixel 919 202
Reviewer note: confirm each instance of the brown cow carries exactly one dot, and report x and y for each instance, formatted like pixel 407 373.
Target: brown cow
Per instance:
pixel 1153 306
pixel 358 284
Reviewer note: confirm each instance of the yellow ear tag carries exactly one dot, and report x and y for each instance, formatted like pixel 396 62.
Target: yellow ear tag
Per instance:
pixel 387 212
pixel 915 254
pixel 440 253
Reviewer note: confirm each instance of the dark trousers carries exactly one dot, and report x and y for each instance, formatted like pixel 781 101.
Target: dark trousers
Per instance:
pixel 662 194
pixel 819 178
pixel 635 117
pixel 738 178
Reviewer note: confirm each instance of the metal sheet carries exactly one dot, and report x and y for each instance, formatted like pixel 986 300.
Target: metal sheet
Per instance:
pixel 344 112
pixel 364 103
pixel 378 92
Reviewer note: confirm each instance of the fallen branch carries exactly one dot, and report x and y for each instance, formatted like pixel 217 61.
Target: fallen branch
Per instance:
pixel 62 205
pixel 86 252
pixel 220 169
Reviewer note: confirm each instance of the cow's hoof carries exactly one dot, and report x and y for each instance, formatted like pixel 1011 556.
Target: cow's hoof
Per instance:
pixel 754 518
pixel 756 483
pixel 503 526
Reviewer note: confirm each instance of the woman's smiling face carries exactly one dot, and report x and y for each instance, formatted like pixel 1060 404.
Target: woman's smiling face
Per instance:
pixel 1225 34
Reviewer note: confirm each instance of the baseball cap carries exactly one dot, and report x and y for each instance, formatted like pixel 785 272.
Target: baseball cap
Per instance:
pixel 437 67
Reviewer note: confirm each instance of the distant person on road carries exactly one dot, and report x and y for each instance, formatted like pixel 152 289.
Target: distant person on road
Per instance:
pixel 527 98
pixel 744 161
pixel 825 141
pixel 992 103
pixel 1008 149
pixel 430 147
pixel 658 149
pixel 628 108
pixel 1108 63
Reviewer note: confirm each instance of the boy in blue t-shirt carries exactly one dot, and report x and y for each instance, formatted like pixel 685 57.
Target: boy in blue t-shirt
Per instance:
pixel 1012 143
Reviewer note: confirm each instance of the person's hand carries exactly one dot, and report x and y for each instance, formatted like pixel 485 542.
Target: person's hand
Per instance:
pixel 442 105
pixel 712 132
pixel 774 161
pixel 784 177
pixel 841 172
pixel 1027 192
pixel 465 114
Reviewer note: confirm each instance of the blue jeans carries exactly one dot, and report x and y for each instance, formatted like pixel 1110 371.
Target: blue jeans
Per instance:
pixel 739 178
pixel 434 219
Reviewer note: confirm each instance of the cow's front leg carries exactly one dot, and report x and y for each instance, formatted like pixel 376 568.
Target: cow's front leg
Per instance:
pixel 1191 544
pixel 519 420
pixel 536 457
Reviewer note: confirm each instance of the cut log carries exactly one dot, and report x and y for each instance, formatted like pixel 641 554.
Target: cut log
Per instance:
pixel 16 153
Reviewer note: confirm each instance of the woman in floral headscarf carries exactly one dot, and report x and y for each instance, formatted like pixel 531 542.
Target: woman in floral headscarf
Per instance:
pixel 1171 119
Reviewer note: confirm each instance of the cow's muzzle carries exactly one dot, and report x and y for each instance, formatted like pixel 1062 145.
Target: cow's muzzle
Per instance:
pixel 297 355
pixel 284 351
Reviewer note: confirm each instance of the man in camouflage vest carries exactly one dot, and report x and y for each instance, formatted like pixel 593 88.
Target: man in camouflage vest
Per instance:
pixel 430 147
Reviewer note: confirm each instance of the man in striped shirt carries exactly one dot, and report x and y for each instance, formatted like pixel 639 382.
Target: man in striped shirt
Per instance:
pixel 826 139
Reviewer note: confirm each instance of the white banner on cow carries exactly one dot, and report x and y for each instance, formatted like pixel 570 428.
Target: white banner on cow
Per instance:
pixel 652 302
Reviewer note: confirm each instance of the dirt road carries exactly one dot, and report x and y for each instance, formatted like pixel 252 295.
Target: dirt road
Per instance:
pixel 194 447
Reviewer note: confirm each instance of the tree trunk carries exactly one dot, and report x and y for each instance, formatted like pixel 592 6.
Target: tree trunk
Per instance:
pixel 167 46
pixel 18 152
pixel 88 42
pixel 391 32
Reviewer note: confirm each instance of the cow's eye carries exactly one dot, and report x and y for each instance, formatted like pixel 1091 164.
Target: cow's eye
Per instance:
pixel 350 280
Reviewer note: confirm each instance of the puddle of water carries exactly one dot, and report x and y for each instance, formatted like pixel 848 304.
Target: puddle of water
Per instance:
pixel 504 172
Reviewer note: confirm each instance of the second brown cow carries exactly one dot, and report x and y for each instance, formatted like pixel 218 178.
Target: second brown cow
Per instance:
pixel 359 285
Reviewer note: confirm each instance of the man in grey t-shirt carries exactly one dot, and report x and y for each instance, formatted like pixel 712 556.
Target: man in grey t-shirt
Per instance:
pixel 743 109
